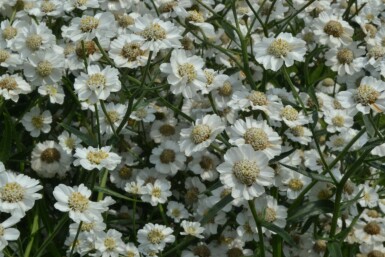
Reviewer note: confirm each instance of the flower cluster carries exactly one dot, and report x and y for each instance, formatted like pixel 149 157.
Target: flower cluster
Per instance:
pixel 192 128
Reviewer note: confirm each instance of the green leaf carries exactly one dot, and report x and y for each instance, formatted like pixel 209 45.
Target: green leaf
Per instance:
pixel 113 193
pixel 229 31
pixel 216 208
pixel 6 141
pixel 311 209
pixel 334 249
pixel 314 176
pixel 85 138
pixel 282 156
pixel 369 126
pixel 279 231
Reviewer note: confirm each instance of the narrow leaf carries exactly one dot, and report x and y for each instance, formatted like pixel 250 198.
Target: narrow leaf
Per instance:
pixel 216 208
pixel 311 209
pixel 85 138
pixel 334 249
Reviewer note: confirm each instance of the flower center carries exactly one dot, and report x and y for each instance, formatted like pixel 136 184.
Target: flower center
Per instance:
pixel 70 143
pixel 8 83
pixel 124 21
pixel 324 194
pixel 50 155
pixel 78 202
pixel 348 188
pixel 366 95
pixel 34 42
pixel 155 236
pixel 338 121
pixel 47 6
pixel 202 251
pixel 376 52
pixel 44 68
pixel 109 243
pixel 167 7
pixel 88 23
pixel 87 226
pixel 125 172
pixel 89 49
pixel 200 133
pixel 167 156
pixel 279 48
pixel 320 246
pixel 113 116
pixel 12 192
pixel 295 184
pixel 96 80
pixel 187 70
pixel 209 77
pixel 372 228
pixel 226 89
pixel 80 3
pixel 156 192
pixel 372 30
pixel 37 122
pixel 141 113
pixel 328 82
pixel 131 51
pixel 345 56
pixel 9 33
pixel 337 105
pixel 338 142
pixel 257 138
pixel 246 171
pixel 258 98
pixel 1 231
pixel 206 163
pixel 234 252
pixel 289 113
pixel 297 131
pixel 154 32
pixel 192 195
pixel 195 16
pixel 175 212
pixel 97 157
pixel 376 253
pixel 334 28
pixel 270 215
pixel 4 55
pixel 167 130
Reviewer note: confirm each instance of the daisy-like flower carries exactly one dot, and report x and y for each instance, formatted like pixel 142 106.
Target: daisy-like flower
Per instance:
pixel 55 93
pixel 176 211
pixel 11 32
pixel 204 164
pixel 246 172
pixel 75 200
pixel 131 250
pixel 157 193
pixel 337 120
pixel 70 5
pixel 113 117
pixel 126 51
pixel 162 130
pixel 300 134
pixel 157 34
pixel 7 233
pixel 7 58
pixel 96 158
pixel 155 236
pixel 110 244
pixel 370 232
pixel 49 158
pixel 290 116
pixel 68 142
pixel 102 25
pixel 35 122
pixel 167 158
pixel 144 113
pixel 11 86
pixel 97 84
pixel 370 94
pixel 257 134
pixel 201 135
pixel 44 67
pixel 270 211
pixel 332 30
pixel 18 193
pixel 293 183
pixel 185 73
pixel 346 59
pixel 272 53
pixel 192 229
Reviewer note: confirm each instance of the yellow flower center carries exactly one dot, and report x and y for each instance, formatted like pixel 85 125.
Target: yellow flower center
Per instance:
pixel 78 202
pixel 154 32
pixel 88 23
pixel 47 6
pixel 246 171
pixel 328 82
pixel 4 55
pixel 167 130
pixel 113 116
pixel 200 133
pixel 206 163
pixel 366 95
pixel 376 52
pixel 195 16
pixel 338 121
pixel 124 20
pixel 257 138
pixel 109 243
pixel 96 80
pixel 89 49
pixel 226 89
pixel 167 156
pixel 320 246
pixel 9 33
pixel 44 68
pixel 345 56
pixel 202 251
pixel 334 28
pixel 131 51
pixel 96 157
pixel 8 83
pixel 297 131
pixel 372 228
pixel 34 42
pixel 289 113
pixel 295 184
pixel 155 236
pixel 50 155
pixel 125 172
pixel 37 122
pixel 279 48
pixel 12 192
pixel 187 70
pixel 258 98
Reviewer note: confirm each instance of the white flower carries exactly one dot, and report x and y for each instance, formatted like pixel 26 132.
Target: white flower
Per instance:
pixel 345 60
pixel 185 73
pixel 176 211
pixel 96 158
pixel 112 118
pixel 246 172
pixel 49 158
pixel 157 34
pixel 11 86
pixel 257 134
pixel 54 91
pixel 162 130
pixel 167 158
pixel 109 244
pixel 332 31
pixel 157 193
pixel 143 113
pixel 35 122
pixel 97 84
pixel 7 233
pixel 192 229
pixel 299 134
pixel 75 200
pixel 293 183
pixel 272 53
pixel 269 210
pixel 68 142
pixel 102 25
pixel 18 193
pixel 155 236
pixel 291 117
pixel 201 135
pixel 337 120
pixel 204 164
pixel 126 51
pixel 130 250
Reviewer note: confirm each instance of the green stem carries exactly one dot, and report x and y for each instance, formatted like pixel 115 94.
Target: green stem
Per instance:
pixel 35 228
pixel 259 228
pixel 102 184
pixel 76 238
